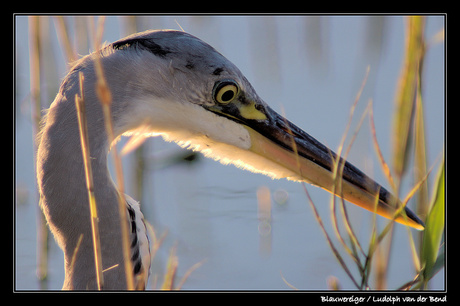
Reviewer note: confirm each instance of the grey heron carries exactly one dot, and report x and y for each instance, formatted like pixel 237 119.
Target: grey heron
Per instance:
pixel 173 84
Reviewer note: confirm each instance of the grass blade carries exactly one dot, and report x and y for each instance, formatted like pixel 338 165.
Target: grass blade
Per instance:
pixel 409 81
pixel 420 157
pixel 434 228
pixel 383 165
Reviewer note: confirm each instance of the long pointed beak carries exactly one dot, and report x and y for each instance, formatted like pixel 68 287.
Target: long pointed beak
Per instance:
pixel 289 146
pixel 278 140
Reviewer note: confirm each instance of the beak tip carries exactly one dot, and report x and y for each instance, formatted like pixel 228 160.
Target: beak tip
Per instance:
pixel 416 222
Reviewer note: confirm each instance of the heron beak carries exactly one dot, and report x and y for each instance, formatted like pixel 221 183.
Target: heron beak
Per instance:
pixel 278 140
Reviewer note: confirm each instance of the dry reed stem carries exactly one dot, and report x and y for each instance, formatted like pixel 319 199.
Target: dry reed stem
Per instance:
pixel 383 164
pixel 364 268
pixel 317 216
pixel 315 211
pixel 338 167
pixel 337 189
pixel 82 125
pixel 328 239
pixel 34 62
pixel 75 251
pixel 64 40
pixel 287 283
pixel 105 97
pixel 172 265
pixel 171 269
pixel 189 272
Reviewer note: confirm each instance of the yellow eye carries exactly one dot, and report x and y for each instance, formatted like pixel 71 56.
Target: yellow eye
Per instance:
pixel 225 92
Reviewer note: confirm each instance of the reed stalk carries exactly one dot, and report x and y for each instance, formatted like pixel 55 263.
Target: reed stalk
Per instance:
pixel 105 97
pixel 317 216
pixel 171 269
pixel 64 40
pixel 82 125
pixel 34 60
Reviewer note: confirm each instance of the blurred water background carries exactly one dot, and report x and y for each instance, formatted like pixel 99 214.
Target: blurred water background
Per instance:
pixel 308 67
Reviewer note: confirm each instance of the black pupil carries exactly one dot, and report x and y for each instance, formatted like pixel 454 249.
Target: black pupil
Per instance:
pixel 228 95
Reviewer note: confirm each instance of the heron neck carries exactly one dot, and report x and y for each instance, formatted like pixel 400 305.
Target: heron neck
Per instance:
pixel 63 193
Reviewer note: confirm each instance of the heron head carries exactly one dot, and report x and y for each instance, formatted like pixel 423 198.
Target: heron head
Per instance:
pixel 193 95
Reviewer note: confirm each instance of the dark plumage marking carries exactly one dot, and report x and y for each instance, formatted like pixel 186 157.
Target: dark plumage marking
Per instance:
pixel 132 217
pixel 190 65
pixel 144 43
pixel 134 242
pixel 137 267
pixel 218 71
pixel 135 257
pixel 131 212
